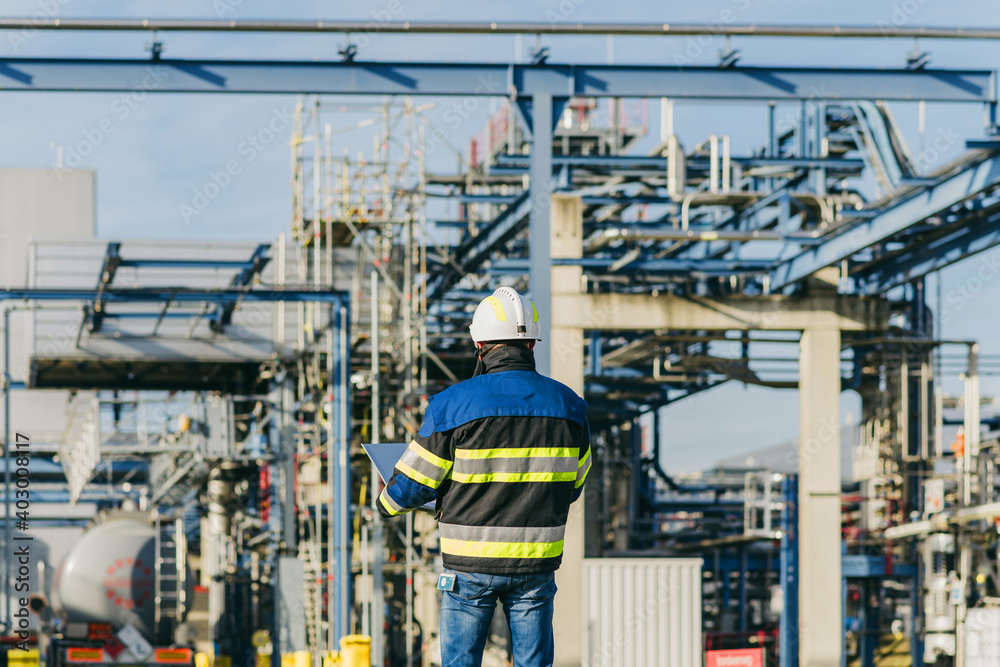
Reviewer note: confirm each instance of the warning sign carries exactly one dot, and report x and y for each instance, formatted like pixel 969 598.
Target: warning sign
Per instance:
pixel 114 648
pixel 741 657
pixel 135 642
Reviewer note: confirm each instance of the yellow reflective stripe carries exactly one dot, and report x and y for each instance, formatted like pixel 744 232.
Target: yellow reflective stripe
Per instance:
pixel 431 458
pixel 516 452
pixel 514 477
pixel 388 504
pixel 498 310
pixel 584 460
pixel 534 310
pixel 581 475
pixel 416 476
pixel 502 549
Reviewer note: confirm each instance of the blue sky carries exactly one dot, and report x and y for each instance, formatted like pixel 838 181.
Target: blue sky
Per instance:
pixel 162 149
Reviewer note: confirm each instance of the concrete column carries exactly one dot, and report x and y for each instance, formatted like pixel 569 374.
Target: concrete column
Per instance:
pixel 540 187
pixel 565 345
pixel 820 613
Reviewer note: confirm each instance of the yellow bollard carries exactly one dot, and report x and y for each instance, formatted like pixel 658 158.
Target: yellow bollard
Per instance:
pixel 202 660
pixel 355 651
pixel 19 658
pixel 331 659
pixel 295 659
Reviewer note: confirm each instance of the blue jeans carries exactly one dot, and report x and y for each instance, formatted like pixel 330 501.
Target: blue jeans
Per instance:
pixel 467 611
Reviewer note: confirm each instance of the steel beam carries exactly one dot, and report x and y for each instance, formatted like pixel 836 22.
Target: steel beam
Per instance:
pixel 475 251
pixel 656 29
pixel 483 79
pixel 925 203
pixel 653 266
pixel 660 163
pixel 179 295
pixel 590 200
pixel 644 312
pixel 929 255
pixel 540 206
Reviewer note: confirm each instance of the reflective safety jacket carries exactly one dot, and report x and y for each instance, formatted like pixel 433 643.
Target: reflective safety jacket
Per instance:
pixel 503 455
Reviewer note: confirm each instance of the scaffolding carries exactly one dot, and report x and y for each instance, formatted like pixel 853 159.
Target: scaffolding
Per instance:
pixel 365 211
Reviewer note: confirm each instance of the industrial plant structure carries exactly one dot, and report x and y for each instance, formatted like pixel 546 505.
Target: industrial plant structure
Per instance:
pixel 197 411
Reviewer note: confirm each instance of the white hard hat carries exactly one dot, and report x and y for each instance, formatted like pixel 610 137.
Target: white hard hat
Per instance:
pixel 506 315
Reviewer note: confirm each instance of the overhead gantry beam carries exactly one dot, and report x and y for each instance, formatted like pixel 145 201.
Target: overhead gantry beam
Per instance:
pixel 484 79
pixel 382 25
pixel 932 252
pixel 964 185
pixel 644 312
pixel 175 294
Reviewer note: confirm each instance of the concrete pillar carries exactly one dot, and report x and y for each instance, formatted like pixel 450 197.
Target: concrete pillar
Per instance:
pixel 539 241
pixel 820 614
pixel 565 346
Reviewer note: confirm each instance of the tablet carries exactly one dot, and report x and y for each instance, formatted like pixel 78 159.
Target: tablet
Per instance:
pixel 384 456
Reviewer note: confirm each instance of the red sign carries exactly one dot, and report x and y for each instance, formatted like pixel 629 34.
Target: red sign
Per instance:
pixel 114 648
pixel 741 657
pixel 100 632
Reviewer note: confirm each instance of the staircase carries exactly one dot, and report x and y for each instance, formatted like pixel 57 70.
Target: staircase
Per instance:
pixel 173 475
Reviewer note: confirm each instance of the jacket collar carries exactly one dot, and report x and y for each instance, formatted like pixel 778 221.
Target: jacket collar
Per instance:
pixel 508 358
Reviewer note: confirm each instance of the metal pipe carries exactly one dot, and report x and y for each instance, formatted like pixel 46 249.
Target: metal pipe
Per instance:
pixel 344 469
pixel 941 521
pixel 904 408
pixel 493 28
pixel 338 495
pixel 726 166
pixel 409 588
pixel 971 425
pixel 609 235
pixel 713 165
pixel 378 595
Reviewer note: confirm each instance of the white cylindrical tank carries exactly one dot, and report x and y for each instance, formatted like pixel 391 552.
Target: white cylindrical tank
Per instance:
pixel 109 575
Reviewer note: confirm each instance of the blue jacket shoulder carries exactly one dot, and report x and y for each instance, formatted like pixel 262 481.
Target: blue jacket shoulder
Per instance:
pixel 506 393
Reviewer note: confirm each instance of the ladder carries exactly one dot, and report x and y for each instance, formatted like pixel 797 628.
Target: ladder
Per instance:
pixel 313 592
pixel 170 590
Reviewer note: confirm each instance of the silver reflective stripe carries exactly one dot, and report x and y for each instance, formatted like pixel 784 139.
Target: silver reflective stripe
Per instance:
pixel 396 507
pixel 581 473
pixel 427 468
pixel 501 533
pixel 521 464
